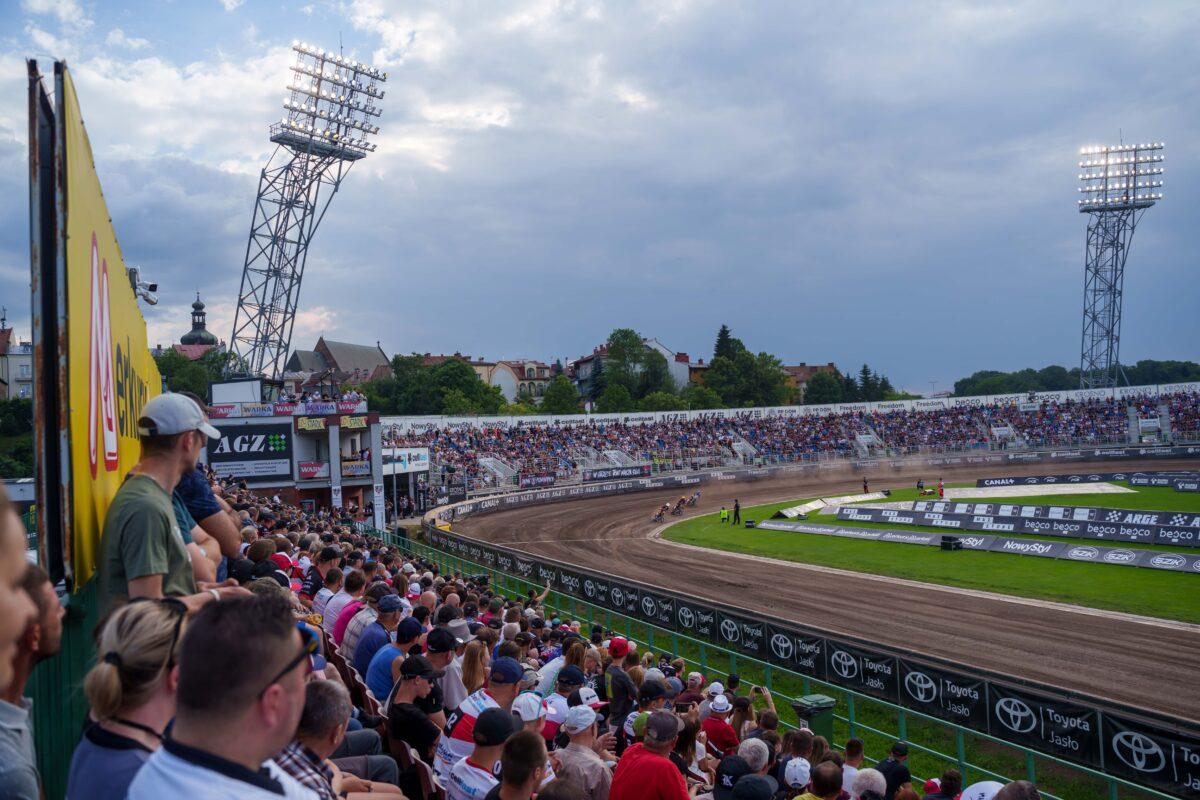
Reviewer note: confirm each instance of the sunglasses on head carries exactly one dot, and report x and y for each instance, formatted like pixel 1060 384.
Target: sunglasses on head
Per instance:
pixel 309 646
pixel 175 605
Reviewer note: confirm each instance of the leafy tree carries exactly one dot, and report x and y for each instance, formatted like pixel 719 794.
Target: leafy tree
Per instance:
pixel 850 390
pixel 701 397
pixel 725 379
pixel 823 389
pixel 614 398
pixel 748 380
pixel 724 345
pixel 516 410
pixel 662 401
pixel 16 416
pixel 557 367
pixel 868 384
pixel 624 359
pixel 456 403
pixel 561 396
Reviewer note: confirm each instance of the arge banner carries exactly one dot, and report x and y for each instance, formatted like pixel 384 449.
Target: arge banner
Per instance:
pixel 796 651
pixel 616 473
pixel 740 632
pixel 695 619
pixel 1140 753
pixel 944 694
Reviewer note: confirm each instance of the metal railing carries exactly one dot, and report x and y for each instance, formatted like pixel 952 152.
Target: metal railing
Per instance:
pixel 862 711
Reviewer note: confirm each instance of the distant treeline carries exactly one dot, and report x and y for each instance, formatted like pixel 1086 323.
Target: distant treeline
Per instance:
pixel 1055 378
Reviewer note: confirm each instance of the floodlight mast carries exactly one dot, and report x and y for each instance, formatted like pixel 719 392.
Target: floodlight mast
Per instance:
pixel 1117 184
pixel 326 126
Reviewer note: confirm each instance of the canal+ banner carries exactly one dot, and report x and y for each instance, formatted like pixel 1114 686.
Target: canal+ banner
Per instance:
pixel 109 371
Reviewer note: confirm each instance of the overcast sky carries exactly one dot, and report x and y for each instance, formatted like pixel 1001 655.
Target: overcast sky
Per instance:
pixel 894 183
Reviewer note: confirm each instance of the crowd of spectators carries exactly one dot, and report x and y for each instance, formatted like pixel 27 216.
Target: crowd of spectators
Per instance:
pixel 322 396
pixel 319 662
pixel 697 443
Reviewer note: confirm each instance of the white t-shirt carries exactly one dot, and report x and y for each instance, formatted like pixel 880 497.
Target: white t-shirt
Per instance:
pixel 167 775
pixel 333 609
pixel 848 773
pixel 548 674
pixel 460 724
pixel 556 715
pixel 469 781
pixel 454 691
pixel 322 598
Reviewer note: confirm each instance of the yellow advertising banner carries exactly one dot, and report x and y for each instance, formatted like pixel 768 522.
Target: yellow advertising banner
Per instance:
pixel 310 423
pixel 111 374
pixel 356 422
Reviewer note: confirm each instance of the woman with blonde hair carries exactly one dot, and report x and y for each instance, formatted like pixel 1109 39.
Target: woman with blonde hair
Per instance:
pixel 475 665
pixel 637 675
pixel 131 690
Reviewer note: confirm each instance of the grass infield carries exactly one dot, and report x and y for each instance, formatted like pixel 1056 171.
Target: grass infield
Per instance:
pixel 1150 592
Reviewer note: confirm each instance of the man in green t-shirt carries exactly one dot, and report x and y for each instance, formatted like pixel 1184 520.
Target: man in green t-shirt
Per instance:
pixel 142 550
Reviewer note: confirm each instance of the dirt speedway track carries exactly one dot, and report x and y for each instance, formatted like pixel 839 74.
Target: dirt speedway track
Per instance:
pixel 1147 664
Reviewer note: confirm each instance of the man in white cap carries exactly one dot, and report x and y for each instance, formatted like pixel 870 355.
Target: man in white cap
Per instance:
pixel 714 690
pixel 142 552
pixel 579 760
pixel 721 736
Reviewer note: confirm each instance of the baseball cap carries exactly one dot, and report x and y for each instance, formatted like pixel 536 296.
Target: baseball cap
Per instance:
pixel 714 689
pixel 585 696
pixel 440 640
pixel 655 674
pixel 419 667
pixel 529 706
pixel 984 790
pixel 408 629
pixel 720 705
pixel 281 561
pixel 932 786
pixel 579 719
pixel 797 773
pixel 752 787
pixel 172 413
pixel 389 602
pixel 729 770
pixel 651 691
pixel 494 726
pixel 506 670
pixel 900 749
pixel 571 675
pixel 242 570
pixel 662 727
pixel 408 569
pixel 619 647
pixel 674 687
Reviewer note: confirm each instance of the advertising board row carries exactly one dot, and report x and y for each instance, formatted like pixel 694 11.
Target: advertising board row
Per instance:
pixel 1153 752
pixel 225 410
pixel 1145 478
pixel 1112 525
pixel 403 425
pixel 535 480
pixel 1071 551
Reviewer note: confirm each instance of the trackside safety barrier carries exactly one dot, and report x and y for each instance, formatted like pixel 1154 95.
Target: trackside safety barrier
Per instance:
pixel 1125 748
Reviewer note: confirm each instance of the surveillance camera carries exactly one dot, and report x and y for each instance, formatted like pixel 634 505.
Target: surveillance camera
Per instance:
pixel 152 287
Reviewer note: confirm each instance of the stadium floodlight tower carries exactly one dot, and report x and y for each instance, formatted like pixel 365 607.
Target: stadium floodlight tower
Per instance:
pixel 1117 183
pixel 328 117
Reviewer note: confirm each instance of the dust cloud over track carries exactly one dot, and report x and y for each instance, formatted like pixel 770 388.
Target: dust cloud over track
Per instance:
pixel 1121 658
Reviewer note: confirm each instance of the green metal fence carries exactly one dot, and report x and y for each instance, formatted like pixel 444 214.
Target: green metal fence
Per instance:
pixel 934 744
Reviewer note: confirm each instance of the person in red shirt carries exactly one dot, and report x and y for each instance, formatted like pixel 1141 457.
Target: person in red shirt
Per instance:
pixel 644 771
pixel 721 735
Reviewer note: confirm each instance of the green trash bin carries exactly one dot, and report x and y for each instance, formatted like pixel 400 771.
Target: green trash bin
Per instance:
pixel 816 713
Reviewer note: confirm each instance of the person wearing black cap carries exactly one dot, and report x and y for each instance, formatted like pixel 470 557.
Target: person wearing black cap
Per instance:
pixel 644 771
pixel 729 772
pixel 314 581
pixel 895 770
pixel 378 634
pixel 504 684
pixel 381 672
pixel 474 775
pixel 651 697
pixel 570 678
pixel 406 720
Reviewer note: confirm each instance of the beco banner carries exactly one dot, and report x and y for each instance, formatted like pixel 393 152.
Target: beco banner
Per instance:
pixel 110 374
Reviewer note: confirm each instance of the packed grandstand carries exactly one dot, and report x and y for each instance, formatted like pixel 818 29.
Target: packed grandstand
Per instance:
pixel 486 454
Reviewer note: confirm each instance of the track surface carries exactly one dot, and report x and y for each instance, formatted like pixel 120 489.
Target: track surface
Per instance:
pixel 1125 659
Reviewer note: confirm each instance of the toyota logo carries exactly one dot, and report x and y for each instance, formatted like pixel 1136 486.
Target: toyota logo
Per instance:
pixel 617 595
pixel 781 646
pixel 589 588
pixel 649 608
pixel 729 630
pixel 1139 752
pixel 920 687
pixel 844 664
pixel 687 620
pixel 1015 715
